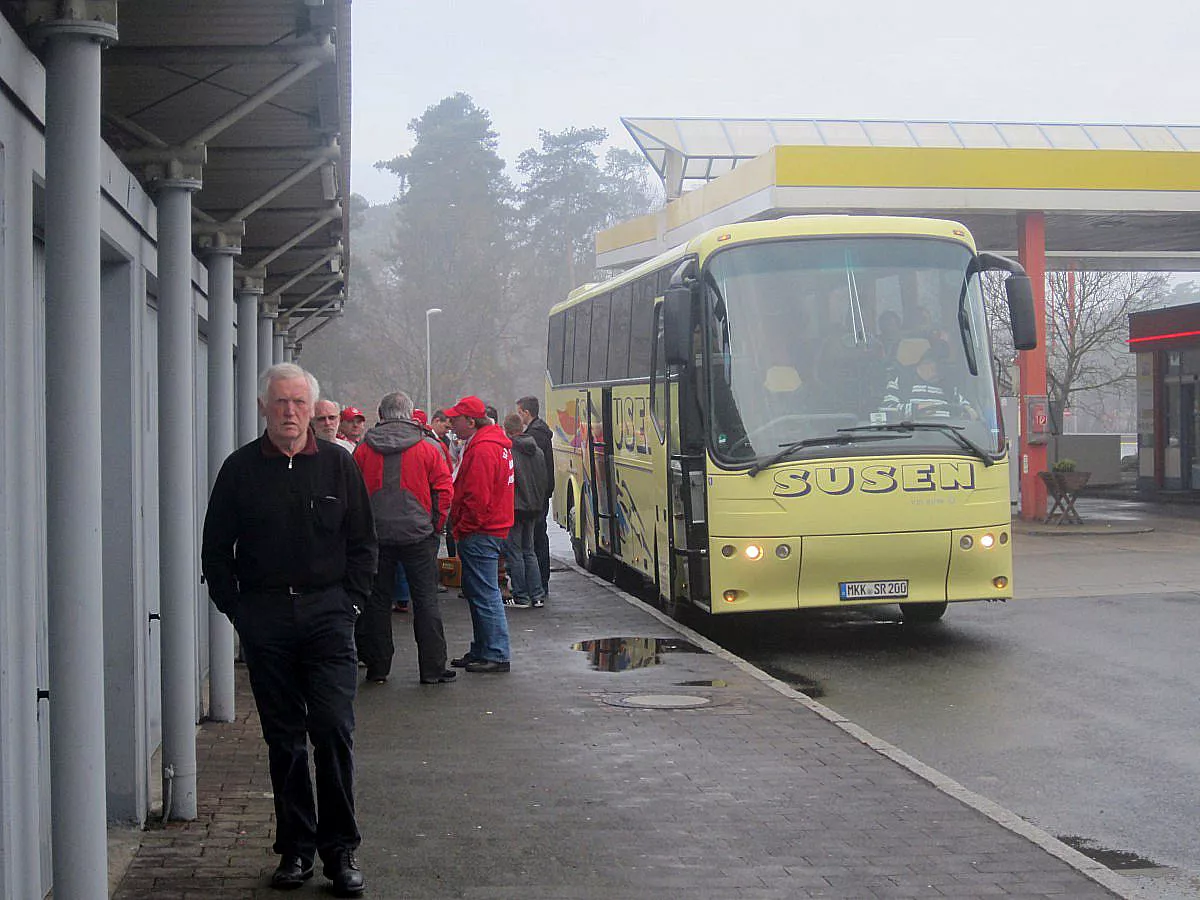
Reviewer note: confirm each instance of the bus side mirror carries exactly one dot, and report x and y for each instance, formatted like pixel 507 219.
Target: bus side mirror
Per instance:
pixel 677 325
pixel 1018 289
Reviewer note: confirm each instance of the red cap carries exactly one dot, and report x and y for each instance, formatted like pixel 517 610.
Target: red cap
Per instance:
pixel 471 407
pixel 420 418
pixel 352 412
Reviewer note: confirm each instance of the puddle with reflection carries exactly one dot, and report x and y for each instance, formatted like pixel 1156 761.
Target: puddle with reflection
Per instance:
pixel 1117 860
pixel 619 654
pixel 712 682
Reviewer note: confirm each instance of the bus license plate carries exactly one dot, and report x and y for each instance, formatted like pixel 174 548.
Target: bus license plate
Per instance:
pixel 874 590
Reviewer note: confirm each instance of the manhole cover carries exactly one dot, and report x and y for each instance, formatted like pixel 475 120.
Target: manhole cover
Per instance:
pixel 660 701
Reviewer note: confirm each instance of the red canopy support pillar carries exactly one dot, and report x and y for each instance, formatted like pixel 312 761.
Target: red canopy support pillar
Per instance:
pixel 1031 251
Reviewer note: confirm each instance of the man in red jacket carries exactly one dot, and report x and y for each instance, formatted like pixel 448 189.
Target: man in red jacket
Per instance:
pixel 410 488
pixel 480 517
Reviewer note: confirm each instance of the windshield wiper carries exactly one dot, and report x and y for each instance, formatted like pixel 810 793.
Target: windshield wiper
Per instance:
pixel 829 440
pixel 951 431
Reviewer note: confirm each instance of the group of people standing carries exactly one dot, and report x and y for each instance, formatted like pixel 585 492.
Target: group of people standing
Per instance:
pixel 305 529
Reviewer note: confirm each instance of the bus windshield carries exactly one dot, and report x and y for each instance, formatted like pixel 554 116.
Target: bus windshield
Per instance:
pixel 847 339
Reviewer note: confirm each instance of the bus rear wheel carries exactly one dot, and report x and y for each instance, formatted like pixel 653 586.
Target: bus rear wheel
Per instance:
pixel 922 613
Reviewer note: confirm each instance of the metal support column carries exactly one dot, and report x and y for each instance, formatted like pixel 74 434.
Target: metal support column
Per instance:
pixel 1031 251
pixel 177 497
pixel 267 312
pixel 249 291
pixel 73 471
pixel 220 445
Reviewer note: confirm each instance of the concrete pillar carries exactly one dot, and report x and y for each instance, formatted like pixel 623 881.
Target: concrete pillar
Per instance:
pixel 177 497
pixel 249 293
pixel 1031 253
pixel 74 521
pixel 220 445
pixel 277 345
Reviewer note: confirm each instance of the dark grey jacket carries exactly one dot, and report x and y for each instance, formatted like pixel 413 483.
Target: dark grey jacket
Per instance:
pixel 542 436
pixel 529 489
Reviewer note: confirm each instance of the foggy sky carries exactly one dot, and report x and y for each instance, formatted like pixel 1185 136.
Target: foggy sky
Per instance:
pixel 551 64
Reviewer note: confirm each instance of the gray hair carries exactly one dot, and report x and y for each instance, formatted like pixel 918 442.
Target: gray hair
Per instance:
pixel 287 372
pixel 396 405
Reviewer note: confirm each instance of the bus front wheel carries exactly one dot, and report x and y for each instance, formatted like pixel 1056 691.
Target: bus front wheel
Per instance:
pixel 922 613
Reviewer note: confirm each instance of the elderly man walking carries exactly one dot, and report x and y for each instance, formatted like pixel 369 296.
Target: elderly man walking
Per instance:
pixel 408 481
pixel 480 518
pixel 289 554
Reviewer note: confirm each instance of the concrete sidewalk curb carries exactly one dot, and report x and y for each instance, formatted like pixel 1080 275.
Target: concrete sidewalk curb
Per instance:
pixel 1006 818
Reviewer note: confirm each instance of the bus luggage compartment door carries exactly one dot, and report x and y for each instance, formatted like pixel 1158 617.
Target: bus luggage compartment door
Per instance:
pixel 840 570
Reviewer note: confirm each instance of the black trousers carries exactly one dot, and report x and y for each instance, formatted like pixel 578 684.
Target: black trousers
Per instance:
pixel 301 659
pixel 375 644
pixel 541 546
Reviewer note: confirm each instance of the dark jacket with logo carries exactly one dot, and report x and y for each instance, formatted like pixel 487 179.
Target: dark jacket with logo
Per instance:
pixel 542 436
pixel 407 479
pixel 275 523
pixel 529 491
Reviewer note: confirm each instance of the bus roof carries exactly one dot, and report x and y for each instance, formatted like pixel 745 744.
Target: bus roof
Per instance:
pixel 788 226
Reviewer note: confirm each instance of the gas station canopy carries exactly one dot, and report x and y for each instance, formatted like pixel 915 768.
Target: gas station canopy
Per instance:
pixel 1121 197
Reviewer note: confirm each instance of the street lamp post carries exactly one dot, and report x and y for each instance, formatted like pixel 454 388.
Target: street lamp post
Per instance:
pixel 429 364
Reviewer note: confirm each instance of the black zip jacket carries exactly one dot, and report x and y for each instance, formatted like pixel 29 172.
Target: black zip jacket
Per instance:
pixel 544 438
pixel 529 471
pixel 274 523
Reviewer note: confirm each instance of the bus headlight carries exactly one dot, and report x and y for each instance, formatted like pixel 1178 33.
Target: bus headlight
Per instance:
pixel 753 551
pixel 987 541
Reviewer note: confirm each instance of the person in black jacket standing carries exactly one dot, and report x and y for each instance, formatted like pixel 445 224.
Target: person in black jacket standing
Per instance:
pixel 528 409
pixel 289 555
pixel 529 498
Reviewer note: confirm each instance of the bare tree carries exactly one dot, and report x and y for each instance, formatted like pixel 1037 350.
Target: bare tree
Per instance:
pixel 1088 364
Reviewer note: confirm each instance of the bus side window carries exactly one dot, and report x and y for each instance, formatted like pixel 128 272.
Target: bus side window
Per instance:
pixel 600 308
pixel 583 336
pixel 554 348
pixel 641 334
pixel 568 369
pixel 618 347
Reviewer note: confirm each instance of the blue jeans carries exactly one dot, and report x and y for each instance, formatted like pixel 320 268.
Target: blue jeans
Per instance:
pixel 522 561
pixel 480 555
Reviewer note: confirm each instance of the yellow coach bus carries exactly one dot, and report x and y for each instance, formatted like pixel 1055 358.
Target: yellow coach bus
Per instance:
pixel 790 414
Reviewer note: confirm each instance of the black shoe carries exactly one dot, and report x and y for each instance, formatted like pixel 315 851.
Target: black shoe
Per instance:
pixel 447 675
pixel 461 662
pixel 377 679
pixel 487 665
pixel 291 872
pixel 342 869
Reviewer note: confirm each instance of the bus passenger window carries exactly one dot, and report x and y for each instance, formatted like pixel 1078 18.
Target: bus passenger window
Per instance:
pixel 640 334
pixel 583 334
pixel 568 370
pixel 554 348
pixel 600 307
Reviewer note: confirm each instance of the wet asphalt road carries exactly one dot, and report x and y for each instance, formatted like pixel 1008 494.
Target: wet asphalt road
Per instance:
pixel 1078 713
pixel 1076 706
